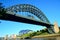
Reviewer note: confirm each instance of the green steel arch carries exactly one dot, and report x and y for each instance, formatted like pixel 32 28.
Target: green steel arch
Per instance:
pixel 28 8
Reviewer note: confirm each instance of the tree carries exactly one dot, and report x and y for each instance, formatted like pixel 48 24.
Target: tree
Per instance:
pixel 2 10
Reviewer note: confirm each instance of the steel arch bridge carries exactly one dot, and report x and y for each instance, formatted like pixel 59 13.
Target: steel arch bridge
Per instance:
pixel 28 8
pixel 12 15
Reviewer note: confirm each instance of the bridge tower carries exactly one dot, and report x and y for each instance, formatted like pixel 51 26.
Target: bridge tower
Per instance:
pixel 56 28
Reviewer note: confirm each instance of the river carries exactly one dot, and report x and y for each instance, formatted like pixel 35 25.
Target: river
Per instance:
pixel 50 38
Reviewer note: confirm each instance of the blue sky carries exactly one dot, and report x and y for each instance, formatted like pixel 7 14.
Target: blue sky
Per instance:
pixel 51 8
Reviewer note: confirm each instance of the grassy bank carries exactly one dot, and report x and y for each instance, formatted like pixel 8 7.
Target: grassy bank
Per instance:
pixel 40 33
pixel 46 36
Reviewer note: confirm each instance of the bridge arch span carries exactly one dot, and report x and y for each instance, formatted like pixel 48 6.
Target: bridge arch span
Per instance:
pixel 28 8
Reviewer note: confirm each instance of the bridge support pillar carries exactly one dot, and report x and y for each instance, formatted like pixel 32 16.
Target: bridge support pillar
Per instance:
pixel 56 28
pixel 53 29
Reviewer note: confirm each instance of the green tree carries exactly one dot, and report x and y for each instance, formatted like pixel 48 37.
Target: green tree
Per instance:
pixel 2 10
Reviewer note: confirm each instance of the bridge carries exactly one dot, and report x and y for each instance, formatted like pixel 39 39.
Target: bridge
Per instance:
pixel 29 17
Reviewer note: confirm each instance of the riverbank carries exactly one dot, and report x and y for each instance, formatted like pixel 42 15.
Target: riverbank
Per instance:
pixel 46 36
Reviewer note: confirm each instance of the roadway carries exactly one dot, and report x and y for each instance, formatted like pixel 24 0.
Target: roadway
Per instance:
pixel 15 18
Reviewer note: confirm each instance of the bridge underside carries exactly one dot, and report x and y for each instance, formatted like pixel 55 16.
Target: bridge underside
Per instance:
pixel 24 20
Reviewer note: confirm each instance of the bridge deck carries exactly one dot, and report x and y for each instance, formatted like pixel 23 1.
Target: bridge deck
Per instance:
pixel 24 20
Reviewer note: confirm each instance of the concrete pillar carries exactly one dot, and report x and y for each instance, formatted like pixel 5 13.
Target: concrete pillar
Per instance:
pixel 55 28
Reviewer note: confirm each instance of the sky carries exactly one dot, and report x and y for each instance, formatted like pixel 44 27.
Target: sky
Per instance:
pixel 51 9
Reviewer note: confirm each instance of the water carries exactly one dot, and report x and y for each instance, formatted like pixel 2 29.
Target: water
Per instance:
pixel 50 38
